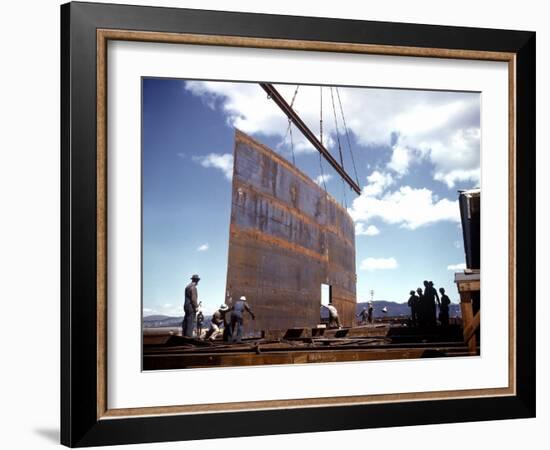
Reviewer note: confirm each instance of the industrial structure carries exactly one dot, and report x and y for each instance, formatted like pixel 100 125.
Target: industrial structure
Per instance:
pixel 468 281
pixel 288 237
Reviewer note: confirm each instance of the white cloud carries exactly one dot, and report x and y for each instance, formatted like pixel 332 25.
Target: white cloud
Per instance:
pixel 378 182
pixel 407 207
pixel 457 244
pixel 147 310
pixel 223 162
pixel 441 127
pixel 400 159
pixel 203 247
pixel 452 177
pixel 371 230
pixel 323 178
pixel 371 264
pixel 459 266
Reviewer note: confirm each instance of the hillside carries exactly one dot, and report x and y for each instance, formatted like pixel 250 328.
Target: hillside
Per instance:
pixel 399 309
pixel 394 310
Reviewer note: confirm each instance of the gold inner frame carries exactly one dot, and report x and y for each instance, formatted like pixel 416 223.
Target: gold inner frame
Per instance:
pixel 104 35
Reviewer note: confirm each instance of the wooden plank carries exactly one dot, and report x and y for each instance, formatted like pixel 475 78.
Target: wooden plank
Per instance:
pixel 468 319
pixel 472 327
pixel 167 362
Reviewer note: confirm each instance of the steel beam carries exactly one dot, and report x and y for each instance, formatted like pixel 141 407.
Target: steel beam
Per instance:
pixel 291 114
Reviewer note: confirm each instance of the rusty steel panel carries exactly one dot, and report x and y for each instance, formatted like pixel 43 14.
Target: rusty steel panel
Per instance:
pixel 287 237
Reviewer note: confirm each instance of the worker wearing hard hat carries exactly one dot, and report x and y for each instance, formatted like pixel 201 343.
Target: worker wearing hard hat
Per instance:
pixel 237 313
pixel 216 322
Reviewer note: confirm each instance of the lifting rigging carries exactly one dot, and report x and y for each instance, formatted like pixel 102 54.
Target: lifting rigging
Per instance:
pixel 310 136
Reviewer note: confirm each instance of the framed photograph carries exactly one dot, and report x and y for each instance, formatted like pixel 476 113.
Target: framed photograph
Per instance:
pixel 278 224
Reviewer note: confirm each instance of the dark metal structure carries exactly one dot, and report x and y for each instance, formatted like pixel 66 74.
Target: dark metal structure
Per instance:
pixel 470 202
pixel 287 238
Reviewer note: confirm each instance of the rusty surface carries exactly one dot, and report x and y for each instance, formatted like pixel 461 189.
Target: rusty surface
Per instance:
pixel 252 357
pixel 307 345
pixel 287 237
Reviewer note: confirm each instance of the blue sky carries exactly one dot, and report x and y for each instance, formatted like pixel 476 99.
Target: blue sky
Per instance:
pixel 412 149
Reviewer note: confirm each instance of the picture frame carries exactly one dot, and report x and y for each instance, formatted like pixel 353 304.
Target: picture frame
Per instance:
pixel 86 28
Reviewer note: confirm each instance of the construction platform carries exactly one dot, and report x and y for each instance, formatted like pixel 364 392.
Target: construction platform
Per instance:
pixel 164 351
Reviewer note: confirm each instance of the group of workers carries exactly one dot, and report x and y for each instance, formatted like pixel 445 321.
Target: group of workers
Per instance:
pixel 230 318
pixel 424 306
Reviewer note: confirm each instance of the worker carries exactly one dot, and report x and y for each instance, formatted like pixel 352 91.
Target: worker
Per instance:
pixel 370 316
pixel 421 309
pixel 237 313
pixel 200 321
pixel 227 321
pixel 216 322
pixel 333 319
pixel 434 291
pixel 363 315
pixel 413 304
pixel 430 296
pixel 444 308
pixel 190 306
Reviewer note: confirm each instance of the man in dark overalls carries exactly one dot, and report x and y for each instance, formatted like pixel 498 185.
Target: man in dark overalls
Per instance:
pixel 444 308
pixel 430 296
pixel 370 313
pixel 237 313
pixel 190 307
pixel 421 315
pixel 413 303
pixel 227 321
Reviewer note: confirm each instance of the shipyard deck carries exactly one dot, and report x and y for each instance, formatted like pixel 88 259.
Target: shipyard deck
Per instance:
pixel 303 346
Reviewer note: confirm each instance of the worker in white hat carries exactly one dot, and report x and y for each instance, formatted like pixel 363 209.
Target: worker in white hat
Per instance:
pixel 237 313
pixel 216 322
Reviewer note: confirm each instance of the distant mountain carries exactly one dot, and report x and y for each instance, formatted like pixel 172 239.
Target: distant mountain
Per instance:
pixel 160 321
pixel 394 310
pixel 157 317
pixel 399 309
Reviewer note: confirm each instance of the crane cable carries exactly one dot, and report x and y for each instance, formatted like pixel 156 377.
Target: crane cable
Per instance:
pixel 292 144
pixel 339 145
pixel 321 139
pixel 289 128
pixel 347 137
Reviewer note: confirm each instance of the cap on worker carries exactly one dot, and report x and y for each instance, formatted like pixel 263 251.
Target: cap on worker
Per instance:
pixel 243 298
pixel 224 307
pixel 195 277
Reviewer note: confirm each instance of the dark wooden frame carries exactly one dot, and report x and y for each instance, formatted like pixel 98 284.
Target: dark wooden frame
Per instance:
pixel 84 417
